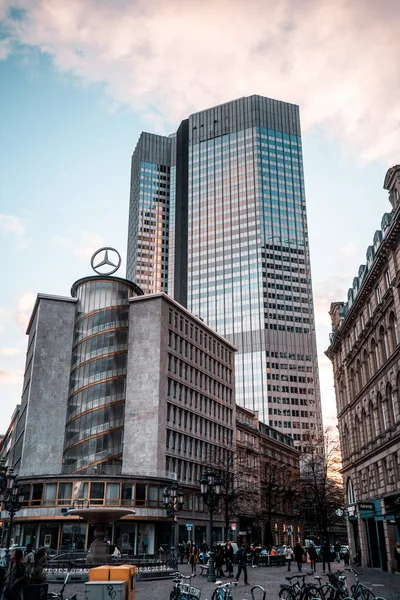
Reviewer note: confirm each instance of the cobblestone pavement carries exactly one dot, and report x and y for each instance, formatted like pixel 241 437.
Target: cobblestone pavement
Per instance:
pixel 382 584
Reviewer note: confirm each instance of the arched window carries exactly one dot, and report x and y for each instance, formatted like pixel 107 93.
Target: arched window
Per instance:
pixel 359 376
pixel 372 423
pixel 390 405
pixel 366 366
pixel 350 493
pixel 342 395
pixel 356 434
pixel 374 356
pixel 345 442
pixel 384 344
pixel 364 422
pixel 380 414
pixel 394 331
pixel 352 384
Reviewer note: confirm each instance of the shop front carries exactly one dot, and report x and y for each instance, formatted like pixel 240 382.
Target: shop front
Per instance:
pixel 392 510
pixel 373 544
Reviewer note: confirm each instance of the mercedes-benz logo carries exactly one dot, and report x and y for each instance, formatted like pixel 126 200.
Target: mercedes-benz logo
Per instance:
pixel 105 260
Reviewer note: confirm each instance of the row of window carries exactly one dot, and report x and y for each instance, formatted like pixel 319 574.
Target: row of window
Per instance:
pixel 294 401
pixel 291 390
pixel 289 328
pixel 102 343
pixel 370 480
pixel 198 425
pixel 106 367
pixel 291 378
pixel 102 320
pixel 199 401
pixel 201 358
pixel 289 367
pixel 197 378
pixel 98 493
pixel 200 337
pixel 286 412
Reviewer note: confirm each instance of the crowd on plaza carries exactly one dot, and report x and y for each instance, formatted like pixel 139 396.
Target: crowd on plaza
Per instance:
pixel 21 571
pixel 226 556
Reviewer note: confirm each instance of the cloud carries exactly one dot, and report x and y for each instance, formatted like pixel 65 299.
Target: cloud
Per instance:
pixel 11 377
pixel 11 224
pixel 83 246
pixel 24 309
pixel 9 351
pixel 338 59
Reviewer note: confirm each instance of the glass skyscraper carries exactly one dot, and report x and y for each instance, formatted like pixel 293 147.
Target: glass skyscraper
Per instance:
pixel 238 252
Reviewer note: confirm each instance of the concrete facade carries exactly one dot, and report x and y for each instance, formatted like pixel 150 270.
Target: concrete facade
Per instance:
pixel 365 354
pixel 41 423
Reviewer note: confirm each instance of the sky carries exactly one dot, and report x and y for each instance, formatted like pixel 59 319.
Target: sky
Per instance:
pixel 79 81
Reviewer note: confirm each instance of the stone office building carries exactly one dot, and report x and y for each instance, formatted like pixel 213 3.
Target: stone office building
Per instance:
pixel 364 350
pixel 123 394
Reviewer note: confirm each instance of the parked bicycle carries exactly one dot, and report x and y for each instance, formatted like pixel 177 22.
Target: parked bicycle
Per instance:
pixel 182 588
pixel 359 591
pixel 298 591
pixel 223 591
pixel 60 595
pixel 335 588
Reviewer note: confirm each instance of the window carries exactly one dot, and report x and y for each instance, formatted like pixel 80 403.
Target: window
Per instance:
pixel 351 497
pixel 141 491
pixel 127 495
pixel 50 491
pixel 64 494
pixel 37 491
pixel 370 308
pixel 153 495
pixel 378 295
pixel 97 492
pixel 394 331
pixel 112 497
pixel 387 279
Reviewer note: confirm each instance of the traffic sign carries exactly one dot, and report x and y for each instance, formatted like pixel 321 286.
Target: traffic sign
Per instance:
pixel 189 525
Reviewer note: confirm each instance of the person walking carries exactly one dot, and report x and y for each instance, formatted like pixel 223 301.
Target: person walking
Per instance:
pixel 229 556
pixel 326 555
pixel 241 559
pixel 253 556
pixel 181 551
pixel 337 548
pixel 299 555
pixel 29 560
pixel 37 573
pixel 312 553
pixel 397 555
pixel 15 577
pixel 194 557
pixel 288 554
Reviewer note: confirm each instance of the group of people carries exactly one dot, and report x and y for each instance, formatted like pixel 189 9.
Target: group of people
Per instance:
pixel 21 571
pixel 299 554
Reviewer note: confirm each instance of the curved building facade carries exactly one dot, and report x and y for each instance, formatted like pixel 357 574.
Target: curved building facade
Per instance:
pixel 96 401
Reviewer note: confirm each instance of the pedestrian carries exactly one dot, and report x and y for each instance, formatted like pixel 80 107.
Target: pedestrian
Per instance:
pixel 337 548
pixel 37 573
pixel 219 561
pixel 326 555
pixel 288 554
pixel 312 553
pixel 194 557
pixel 188 547
pixel 15 577
pixel 229 556
pixel 346 557
pixel 181 551
pixel 397 555
pixel 29 560
pixel 241 559
pixel 253 556
pixel 299 555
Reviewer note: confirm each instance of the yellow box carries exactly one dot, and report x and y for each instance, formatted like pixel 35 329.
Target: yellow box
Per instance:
pixel 128 574
pixel 99 573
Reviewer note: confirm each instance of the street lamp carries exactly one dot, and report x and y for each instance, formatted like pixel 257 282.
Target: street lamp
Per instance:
pixel 173 503
pixel 11 499
pixel 210 487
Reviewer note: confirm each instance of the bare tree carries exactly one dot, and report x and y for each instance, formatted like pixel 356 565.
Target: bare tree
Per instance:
pixel 321 484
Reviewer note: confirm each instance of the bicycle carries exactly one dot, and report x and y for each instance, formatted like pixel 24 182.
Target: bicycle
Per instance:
pixel 60 595
pixel 180 586
pixel 360 591
pixel 336 589
pixel 223 591
pixel 295 591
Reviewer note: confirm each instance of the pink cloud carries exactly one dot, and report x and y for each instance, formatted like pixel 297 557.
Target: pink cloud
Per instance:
pixel 338 59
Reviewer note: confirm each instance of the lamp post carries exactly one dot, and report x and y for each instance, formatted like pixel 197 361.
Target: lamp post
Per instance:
pixel 11 499
pixel 210 486
pixel 173 503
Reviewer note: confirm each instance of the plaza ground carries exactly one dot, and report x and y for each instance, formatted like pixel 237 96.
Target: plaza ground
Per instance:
pixel 382 584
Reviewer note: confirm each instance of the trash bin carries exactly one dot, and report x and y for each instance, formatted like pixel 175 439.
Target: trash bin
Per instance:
pixel 99 573
pixel 104 590
pixel 126 573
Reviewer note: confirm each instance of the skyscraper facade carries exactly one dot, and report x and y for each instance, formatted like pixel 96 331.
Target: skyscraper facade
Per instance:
pixel 239 254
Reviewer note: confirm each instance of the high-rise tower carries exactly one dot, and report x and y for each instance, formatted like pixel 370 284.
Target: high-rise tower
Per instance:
pixel 238 252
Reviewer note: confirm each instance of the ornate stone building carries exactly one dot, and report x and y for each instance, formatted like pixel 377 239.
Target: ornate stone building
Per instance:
pixel 364 350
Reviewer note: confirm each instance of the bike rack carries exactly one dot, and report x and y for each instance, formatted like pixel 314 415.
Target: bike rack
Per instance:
pixel 258 587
